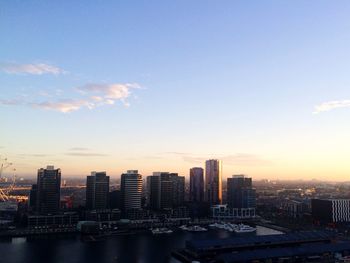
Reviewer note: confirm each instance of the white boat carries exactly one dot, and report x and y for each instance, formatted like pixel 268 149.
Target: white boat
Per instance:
pixel 229 228
pixel 226 226
pixel 157 231
pixel 196 229
pixel 232 225
pixel 183 227
pixel 241 228
pixel 217 225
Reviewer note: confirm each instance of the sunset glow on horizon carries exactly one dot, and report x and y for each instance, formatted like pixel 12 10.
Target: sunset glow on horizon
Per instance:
pixel 163 87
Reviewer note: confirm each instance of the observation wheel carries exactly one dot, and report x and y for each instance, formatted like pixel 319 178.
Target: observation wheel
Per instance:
pixel 7 183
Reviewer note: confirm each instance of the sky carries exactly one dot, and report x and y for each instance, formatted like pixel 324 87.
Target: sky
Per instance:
pixel 164 85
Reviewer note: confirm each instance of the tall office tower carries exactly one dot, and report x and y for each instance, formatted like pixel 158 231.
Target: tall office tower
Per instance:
pixel 153 192
pixel 179 195
pixel 131 190
pixel 240 192
pixel 196 184
pixel 165 190
pixel 213 182
pixel 48 190
pixel 97 190
pixel 172 190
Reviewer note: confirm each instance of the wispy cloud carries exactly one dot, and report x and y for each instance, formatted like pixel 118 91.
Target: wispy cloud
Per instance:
pixel 245 159
pixel 239 159
pixel 88 96
pixel 10 102
pixel 79 149
pixel 331 105
pixel 33 69
pixel 85 154
pixel 109 93
pixel 64 105
pixel 39 155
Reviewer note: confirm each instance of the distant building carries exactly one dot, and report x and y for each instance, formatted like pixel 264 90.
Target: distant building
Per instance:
pixel 131 190
pixel 222 212
pixel 103 215
pixel 331 210
pixel 196 184
pixel 48 190
pixel 97 190
pixel 213 181
pixel 295 208
pixel 240 192
pixel 165 190
pixel 66 220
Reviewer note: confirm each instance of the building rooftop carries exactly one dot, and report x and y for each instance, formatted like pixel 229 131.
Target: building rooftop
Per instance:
pixel 304 250
pixel 254 241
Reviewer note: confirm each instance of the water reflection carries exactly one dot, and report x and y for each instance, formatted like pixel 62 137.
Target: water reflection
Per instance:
pixel 140 248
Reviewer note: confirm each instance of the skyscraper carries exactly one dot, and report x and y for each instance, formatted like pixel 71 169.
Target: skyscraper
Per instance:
pixel 97 190
pixel 165 190
pixel 153 192
pixel 131 189
pixel 196 184
pixel 213 182
pixel 240 192
pixel 48 190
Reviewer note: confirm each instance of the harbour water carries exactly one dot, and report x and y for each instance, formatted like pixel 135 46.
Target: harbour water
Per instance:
pixel 140 248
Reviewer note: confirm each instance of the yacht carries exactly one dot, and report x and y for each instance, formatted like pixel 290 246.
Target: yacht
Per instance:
pixel 196 229
pixel 241 228
pixel 218 225
pixel 226 226
pixel 164 230
pixel 183 227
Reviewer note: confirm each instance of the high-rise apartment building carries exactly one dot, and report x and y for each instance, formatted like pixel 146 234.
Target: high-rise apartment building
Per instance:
pixel 97 190
pixel 48 190
pixel 131 190
pixel 153 192
pixel 240 192
pixel 196 184
pixel 165 190
pixel 213 181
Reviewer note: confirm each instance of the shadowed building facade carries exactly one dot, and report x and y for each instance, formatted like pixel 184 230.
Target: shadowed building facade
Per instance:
pixel 196 184
pixel 48 190
pixel 97 190
pixel 153 192
pixel 213 181
pixel 165 190
pixel 240 192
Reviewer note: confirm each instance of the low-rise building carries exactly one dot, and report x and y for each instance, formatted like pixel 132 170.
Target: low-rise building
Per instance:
pixel 221 212
pixel 66 220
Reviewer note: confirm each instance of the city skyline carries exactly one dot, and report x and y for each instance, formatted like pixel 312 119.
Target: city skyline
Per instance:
pixel 165 86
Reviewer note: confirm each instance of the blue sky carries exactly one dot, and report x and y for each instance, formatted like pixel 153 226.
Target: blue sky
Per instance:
pixel 189 80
